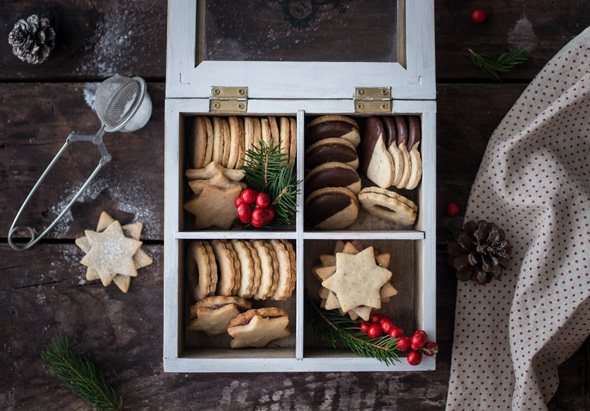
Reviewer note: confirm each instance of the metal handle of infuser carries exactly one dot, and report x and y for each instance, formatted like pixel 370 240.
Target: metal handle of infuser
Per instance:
pixel 72 138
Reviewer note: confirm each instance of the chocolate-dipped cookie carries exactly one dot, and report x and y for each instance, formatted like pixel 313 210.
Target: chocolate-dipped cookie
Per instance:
pixel 376 162
pixel 331 150
pixel 402 145
pixel 394 151
pixel 331 208
pixel 332 126
pixel 415 158
pixel 332 175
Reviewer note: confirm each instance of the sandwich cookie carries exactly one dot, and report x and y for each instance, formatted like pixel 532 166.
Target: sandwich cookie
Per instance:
pixel 226 143
pixel 288 136
pixel 236 147
pixel 218 141
pixel 331 208
pixel 376 163
pixel 213 314
pixel 332 126
pixel 258 327
pixel 247 270
pixel 201 270
pixel 388 205
pixel 286 269
pixel 200 139
pixel 332 175
pixel 415 158
pixel 270 131
pixel 331 150
pixel 269 268
pixel 229 267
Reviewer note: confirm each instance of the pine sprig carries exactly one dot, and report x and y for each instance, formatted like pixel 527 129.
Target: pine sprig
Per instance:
pixel 504 63
pixel 340 331
pixel 79 375
pixel 267 170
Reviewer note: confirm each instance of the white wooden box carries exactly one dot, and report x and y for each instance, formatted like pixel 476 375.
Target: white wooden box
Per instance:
pixel 302 90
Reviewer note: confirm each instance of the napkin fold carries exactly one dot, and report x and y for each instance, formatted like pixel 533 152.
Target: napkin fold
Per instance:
pixel 534 183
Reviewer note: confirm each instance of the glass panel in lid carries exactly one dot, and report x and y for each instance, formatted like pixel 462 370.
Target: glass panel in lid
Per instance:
pixel 301 30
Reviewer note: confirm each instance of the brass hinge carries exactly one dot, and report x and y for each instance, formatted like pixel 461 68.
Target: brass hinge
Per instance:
pixel 229 99
pixel 372 99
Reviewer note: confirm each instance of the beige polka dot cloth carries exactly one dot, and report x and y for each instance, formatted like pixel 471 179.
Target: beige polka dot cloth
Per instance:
pixel 534 182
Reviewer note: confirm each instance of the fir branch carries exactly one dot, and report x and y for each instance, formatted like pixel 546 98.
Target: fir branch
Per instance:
pixel 341 331
pixel 504 63
pixel 79 375
pixel 267 170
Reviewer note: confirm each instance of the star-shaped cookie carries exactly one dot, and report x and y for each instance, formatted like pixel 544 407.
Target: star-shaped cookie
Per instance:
pixel 357 280
pixel 214 207
pixel 140 258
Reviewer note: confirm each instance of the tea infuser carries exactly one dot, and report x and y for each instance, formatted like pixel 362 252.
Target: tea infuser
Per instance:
pixel 122 104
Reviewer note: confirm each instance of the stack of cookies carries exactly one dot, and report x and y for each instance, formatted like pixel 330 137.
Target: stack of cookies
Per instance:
pixel 225 140
pixel 332 182
pixel 390 157
pixel 354 280
pixel 259 269
pixel 254 328
pixel 222 275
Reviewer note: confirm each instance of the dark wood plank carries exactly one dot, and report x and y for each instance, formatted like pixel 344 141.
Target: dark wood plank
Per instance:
pixel 35 120
pixel 95 39
pixel 122 334
pixel 541 26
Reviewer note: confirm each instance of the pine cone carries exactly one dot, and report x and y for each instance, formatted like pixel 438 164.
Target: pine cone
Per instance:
pixel 480 252
pixel 32 40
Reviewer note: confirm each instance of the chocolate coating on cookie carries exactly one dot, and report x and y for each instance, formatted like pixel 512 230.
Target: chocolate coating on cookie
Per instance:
pixel 327 130
pixel 323 206
pixel 334 176
pixel 413 132
pixel 390 131
pixel 330 150
pixel 402 130
pixel 373 130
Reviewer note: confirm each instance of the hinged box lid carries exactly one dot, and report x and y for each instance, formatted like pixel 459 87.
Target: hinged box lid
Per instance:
pixel 304 49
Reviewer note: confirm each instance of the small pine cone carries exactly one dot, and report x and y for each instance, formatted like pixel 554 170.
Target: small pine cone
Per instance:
pixel 32 40
pixel 480 252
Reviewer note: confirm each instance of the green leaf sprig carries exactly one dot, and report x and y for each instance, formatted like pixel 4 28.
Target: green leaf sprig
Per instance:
pixel 341 331
pixel 504 63
pixel 268 171
pixel 80 375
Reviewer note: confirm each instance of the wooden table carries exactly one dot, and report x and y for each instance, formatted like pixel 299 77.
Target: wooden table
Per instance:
pixel 44 291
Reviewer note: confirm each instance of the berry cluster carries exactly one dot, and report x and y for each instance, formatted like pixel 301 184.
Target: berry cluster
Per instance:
pixel 418 343
pixel 262 214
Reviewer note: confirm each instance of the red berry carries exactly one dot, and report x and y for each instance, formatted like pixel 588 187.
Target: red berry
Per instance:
pixel 403 343
pixel 414 358
pixel 396 333
pixel 374 331
pixel 248 195
pixel 365 327
pixel 452 210
pixel 375 318
pixel 270 213
pixel 430 349
pixel 262 200
pixel 419 338
pixel 479 16
pixel 244 211
pixel 383 319
pixel 414 347
pixel 387 326
pixel 238 201
pixel 258 217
